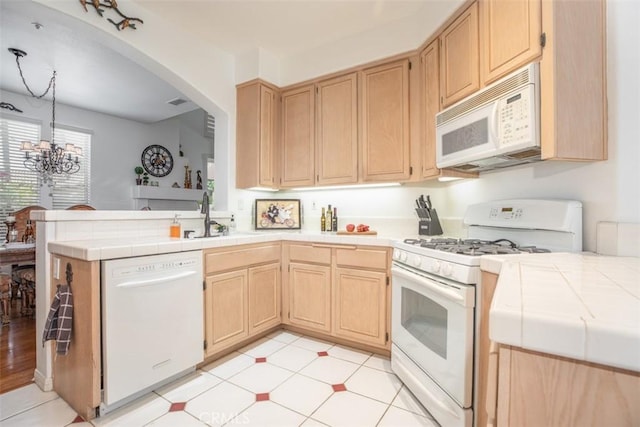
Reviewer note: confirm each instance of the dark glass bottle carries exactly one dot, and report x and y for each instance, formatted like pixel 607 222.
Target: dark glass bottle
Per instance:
pixel 334 220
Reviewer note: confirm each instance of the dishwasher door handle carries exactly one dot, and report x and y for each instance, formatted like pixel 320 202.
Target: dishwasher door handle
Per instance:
pixel 158 281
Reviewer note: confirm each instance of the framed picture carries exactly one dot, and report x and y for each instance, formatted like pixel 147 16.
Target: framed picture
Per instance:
pixel 277 214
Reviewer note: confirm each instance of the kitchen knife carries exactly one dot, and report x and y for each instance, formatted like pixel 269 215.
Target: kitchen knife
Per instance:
pixel 428 202
pixel 423 204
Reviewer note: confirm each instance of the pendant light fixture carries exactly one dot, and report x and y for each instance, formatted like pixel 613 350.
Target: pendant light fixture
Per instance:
pixel 48 158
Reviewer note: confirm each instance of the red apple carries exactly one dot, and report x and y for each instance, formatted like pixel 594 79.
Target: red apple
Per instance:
pixel 350 227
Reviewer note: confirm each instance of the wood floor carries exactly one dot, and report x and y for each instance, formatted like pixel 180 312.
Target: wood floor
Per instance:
pixel 17 350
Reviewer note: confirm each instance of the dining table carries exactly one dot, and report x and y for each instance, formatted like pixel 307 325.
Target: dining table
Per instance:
pixel 24 254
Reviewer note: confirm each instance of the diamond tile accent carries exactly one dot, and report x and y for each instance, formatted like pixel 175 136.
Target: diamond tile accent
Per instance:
pixel 261 397
pixel 261 359
pixel 339 387
pixel 77 419
pixel 322 353
pixel 178 406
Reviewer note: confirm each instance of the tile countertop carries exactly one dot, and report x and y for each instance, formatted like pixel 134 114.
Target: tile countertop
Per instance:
pixel 578 305
pixel 101 249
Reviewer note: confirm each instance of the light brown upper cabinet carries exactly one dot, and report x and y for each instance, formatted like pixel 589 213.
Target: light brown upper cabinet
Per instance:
pixel 509 36
pixel 573 80
pixel 337 130
pixel 430 107
pixel 298 137
pixel 459 57
pixel 256 135
pixel 384 119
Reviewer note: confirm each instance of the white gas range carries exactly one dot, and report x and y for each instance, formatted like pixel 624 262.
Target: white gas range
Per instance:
pixel 435 296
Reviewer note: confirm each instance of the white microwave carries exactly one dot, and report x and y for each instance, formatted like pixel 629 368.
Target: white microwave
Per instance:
pixel 496 127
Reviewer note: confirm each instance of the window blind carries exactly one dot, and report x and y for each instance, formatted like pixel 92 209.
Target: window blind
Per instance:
pixel 18 185
pixel 73 189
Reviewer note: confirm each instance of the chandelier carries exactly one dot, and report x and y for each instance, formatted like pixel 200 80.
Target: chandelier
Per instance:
pixel 48 158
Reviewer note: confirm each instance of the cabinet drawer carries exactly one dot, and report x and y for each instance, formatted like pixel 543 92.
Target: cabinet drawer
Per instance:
pixel 312 254
pixel 228 259
pixel 364 258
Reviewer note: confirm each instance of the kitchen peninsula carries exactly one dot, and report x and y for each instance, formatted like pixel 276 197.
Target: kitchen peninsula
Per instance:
pixel 248 272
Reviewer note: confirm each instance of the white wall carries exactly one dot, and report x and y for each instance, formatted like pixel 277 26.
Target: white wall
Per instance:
pixel 117 144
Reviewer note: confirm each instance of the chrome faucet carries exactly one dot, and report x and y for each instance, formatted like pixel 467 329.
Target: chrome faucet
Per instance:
pixel 205 211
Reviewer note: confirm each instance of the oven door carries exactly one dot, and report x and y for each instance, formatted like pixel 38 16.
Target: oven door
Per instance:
pixel 433 323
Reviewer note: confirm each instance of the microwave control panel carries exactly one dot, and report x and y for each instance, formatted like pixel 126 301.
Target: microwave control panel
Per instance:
pixel 515 117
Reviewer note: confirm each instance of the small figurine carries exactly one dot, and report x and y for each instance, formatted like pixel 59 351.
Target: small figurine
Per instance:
pixel 198 180
pixel 187 177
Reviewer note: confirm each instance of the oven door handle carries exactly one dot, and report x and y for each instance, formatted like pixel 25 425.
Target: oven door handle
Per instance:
pixel 429 284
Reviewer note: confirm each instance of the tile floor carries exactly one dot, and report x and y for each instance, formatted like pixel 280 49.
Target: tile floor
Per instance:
pixel 281 380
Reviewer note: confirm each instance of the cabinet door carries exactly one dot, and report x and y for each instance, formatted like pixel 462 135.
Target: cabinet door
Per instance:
pixel 298 137
pixel 310 296
pixel 225 310
pixel 337 131
pixel 255 135
pixel 361 306
pixel 509 35
pixel 430 107
pixel 385 122
pixel 264 297
pixel 459 59
pixel 267 139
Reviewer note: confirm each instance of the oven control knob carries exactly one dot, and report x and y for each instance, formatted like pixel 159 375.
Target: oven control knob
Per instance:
pixel 435 267
pixel 403 256
pixel 417 260
pixel 396 254
pixel 447 269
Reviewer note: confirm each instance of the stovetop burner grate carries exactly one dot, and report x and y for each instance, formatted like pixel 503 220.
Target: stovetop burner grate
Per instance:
pixel 474 247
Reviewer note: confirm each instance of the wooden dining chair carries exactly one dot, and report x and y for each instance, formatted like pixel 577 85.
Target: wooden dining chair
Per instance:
pixel 23 277
pixel 81 208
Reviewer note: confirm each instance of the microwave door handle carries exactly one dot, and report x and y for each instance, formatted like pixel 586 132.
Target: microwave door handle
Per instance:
pixel 493 128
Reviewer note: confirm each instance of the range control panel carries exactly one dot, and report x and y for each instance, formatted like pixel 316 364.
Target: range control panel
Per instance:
pixel 506 213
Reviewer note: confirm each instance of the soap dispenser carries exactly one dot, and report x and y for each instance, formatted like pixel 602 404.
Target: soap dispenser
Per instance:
pixel 174 229
pixel 232 224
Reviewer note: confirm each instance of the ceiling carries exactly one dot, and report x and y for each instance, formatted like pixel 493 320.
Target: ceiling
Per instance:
pixel 282 27
pixel 95 77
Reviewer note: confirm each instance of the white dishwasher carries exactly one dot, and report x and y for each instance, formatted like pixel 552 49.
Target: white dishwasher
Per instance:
pixel 152 323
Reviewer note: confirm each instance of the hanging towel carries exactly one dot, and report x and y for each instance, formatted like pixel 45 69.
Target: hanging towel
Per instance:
pixel 59 320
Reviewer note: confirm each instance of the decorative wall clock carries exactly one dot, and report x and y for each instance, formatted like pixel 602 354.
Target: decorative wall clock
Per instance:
pixel 157 160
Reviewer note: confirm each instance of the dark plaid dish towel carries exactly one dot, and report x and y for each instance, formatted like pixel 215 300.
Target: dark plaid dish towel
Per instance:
pixel 59 320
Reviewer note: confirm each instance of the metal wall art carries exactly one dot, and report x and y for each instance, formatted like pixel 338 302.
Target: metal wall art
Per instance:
pixel 99 6
pixel 10 107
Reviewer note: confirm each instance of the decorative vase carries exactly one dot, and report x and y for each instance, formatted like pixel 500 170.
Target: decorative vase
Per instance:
pixel 138 181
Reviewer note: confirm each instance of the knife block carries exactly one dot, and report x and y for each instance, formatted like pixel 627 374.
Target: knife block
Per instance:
pixel 429 223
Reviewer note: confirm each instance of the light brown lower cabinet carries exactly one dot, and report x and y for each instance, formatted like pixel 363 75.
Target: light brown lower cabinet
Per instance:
pixel 310 296
pixel 242 294
pixel 340 291
pixel 264 297
pixel 538 389
pixel 225 313
pixel 360 305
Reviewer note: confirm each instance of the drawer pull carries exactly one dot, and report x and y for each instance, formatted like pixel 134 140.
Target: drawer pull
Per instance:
pixel 320 245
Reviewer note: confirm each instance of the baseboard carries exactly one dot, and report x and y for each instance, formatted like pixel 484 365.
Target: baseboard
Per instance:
pixel 45 384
